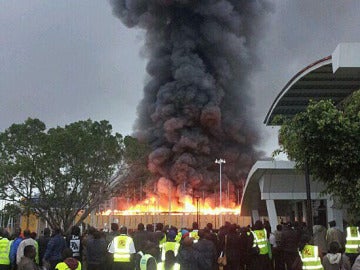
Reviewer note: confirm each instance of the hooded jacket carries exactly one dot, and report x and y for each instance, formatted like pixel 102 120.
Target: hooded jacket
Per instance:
pixel 333 261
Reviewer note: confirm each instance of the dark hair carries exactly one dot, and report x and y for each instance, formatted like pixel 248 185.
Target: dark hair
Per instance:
pixel 159 226
pixel 27 233
pixel 151 264
pixel 75 230
pixel 123 230
pixel 195 225
pixel 47 232
pixel 149 227
pixel 141 227
pixel 28 250
pixel 334 247
pixel 114 227
pixel 66 253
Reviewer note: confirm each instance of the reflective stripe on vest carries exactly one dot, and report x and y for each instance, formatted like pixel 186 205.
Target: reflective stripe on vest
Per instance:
pixel 144 260
pixel 161 266
pixel 174 246
pixel 178 237
pixel 122 248
pixel 260 239
pixel 310 258
pixel 4 251
pixel 352 240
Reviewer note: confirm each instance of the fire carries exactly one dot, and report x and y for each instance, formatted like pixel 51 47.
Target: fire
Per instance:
pixel 186 204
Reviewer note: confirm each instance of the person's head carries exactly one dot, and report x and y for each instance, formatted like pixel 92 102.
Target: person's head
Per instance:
pixel 195 225
pixel 2 232
pixel 151 264
pixel 96 234
pixel 17 231
pixel 334 247
pixel 114 227
pixel 56 231
pixel 209 226
pixel 171 235
pixel 188 241
pixel 33 235
pixel 159 226
pixel 149 227
pixel 258 225
pixel 75 230
pixel 47 232
pixel 279 227
pixel 27 233
pixel 123 230
pixel 66 253
pixel 141 227
pixel 30 251
pixel 169 258
pixel 332 223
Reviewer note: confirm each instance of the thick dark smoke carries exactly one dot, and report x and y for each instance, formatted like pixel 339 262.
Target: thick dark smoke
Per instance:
pixel 196 104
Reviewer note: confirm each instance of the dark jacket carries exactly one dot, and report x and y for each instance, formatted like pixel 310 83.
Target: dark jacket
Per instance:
pixel 290 240
pixel 54 248
pixel 207 254
pixel 96 250
pixel 188 258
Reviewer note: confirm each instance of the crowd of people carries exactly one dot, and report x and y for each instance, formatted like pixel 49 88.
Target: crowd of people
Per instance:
pixel 157 247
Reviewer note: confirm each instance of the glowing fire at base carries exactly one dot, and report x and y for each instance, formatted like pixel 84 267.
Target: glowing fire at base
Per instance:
pixel 153 205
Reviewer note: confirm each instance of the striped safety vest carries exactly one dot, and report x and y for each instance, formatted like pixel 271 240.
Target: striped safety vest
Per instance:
pixel 4 251
pixel 310 258
pixel 352 240
pixel 260 239
pixel 122 248
pixel 174 246
pixel 144 260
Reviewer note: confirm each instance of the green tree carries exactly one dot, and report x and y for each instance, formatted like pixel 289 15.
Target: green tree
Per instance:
pixel 59 173
pixel 136 173
pixel 328 138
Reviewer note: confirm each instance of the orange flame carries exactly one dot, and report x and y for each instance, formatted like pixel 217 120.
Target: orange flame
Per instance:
pixel 186 204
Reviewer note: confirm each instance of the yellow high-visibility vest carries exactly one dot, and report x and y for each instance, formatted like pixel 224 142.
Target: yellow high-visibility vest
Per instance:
pixel 4 251
pixel 144 260
pixel 310 258
pixel 260 239
pixel 352 240
pixel 174 246
pixel 64 266
pixel 122 248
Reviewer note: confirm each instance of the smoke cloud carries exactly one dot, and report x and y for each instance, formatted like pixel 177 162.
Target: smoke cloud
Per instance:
pixel 196 105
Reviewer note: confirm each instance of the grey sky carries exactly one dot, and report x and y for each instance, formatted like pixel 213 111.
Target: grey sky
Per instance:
pixel 64 61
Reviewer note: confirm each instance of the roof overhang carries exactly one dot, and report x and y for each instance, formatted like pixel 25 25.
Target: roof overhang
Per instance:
pixel 334 77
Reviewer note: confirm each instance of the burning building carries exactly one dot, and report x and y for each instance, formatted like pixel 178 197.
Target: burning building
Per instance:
pixel 197 99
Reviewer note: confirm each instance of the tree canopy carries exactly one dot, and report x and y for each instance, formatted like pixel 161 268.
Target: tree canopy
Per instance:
pixel 60 172
pixel 328 138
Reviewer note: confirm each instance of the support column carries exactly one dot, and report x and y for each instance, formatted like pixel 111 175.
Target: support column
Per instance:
pixel 273 220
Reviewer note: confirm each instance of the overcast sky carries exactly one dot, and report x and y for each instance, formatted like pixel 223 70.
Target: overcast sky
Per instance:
pixel 65 61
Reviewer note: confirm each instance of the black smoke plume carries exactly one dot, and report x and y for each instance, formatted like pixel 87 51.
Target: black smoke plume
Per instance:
pixel 196 104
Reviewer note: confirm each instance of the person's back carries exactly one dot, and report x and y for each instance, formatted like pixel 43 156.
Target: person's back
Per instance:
pixel 334 234
pixel 335 260
pixel 43 242
pixel 25 242
pixel 319 238
pixel 207 251
pixel 188 257
pixel 27 261
pixel 74 242
pixel 140 238
pixel 55 247
pixel 96 252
